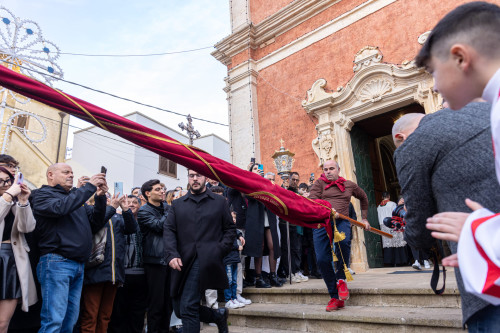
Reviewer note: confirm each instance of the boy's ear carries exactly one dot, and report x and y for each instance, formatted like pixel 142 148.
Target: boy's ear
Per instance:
pixel 461 54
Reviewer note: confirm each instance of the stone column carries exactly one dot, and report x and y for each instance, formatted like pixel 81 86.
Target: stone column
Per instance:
pixel 241 89
pixel 345 158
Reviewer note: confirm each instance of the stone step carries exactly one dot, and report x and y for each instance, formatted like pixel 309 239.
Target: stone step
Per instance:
pixel 314 318
pixel 381 287
pixel 409 297
pixel 239 329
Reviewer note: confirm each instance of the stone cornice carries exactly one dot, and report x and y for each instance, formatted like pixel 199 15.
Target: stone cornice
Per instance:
pixel 282 21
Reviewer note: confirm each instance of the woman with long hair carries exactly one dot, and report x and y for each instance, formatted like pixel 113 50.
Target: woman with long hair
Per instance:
pixel 16 219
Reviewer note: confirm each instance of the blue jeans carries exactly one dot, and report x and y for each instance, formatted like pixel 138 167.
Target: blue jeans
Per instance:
pixel 324 256
pixel 61 280
pixel 232 276
pixel 486 320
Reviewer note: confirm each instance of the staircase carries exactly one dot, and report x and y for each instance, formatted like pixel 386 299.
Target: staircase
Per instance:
pixel 383 300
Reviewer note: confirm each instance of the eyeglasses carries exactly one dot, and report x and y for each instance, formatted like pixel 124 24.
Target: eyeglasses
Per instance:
pixel 4 182
pixel 194 175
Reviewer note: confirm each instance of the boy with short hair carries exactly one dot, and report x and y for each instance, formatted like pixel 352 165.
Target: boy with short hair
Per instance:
pixel 463 55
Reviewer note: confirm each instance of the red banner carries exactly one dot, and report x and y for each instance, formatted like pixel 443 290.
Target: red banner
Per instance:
pixel 286 204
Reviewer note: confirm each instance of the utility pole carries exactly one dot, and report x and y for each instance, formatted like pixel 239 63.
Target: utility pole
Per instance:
pixel 192 133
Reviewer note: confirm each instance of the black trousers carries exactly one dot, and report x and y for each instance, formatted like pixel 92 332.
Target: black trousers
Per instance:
pixel 130 306
pixel 159 301
pixel 295 249
pixel 187 305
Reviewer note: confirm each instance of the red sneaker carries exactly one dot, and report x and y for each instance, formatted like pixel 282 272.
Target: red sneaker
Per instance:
pixel 342 289
pixel 334 305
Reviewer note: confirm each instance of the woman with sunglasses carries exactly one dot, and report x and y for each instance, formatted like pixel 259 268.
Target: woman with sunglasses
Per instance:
pixel 16 219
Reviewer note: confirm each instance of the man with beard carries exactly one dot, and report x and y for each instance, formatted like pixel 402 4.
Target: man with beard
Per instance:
pixel 198 234
pixel 338 191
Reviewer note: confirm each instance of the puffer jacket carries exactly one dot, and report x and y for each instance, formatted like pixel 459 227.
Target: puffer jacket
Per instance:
pixel 112 269
pixel 151 220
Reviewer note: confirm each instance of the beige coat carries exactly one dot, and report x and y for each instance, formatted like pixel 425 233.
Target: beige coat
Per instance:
pixel 24 222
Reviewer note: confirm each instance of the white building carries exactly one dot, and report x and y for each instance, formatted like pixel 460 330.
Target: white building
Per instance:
pixel 93 147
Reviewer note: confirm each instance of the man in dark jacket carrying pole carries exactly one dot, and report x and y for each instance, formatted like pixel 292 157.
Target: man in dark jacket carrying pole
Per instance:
pixel 151 218
pixel 198 234
pixel 65 225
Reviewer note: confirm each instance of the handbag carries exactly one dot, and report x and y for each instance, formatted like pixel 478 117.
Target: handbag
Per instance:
pixel 98 248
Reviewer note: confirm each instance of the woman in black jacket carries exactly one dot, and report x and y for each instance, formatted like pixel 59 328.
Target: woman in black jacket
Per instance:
pixel 102 281
pixel 261 234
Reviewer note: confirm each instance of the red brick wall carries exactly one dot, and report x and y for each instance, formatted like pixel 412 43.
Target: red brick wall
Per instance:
pixel 394 30
pixel 260 9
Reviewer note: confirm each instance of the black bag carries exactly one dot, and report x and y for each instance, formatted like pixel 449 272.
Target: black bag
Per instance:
pixel 98 248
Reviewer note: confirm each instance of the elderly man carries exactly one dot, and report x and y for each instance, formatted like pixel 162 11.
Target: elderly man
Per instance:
pixel 338 192
pixel 198 234
pixel 65 225
pixel 442 159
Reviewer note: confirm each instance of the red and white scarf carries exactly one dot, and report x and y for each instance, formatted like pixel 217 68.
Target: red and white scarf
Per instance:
pixel 339 182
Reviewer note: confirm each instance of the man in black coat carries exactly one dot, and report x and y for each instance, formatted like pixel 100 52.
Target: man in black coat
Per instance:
pixel 198 234
pixel 442 159
pixel 151 219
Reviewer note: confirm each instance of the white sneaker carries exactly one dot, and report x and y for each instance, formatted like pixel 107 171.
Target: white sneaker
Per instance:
pixel 416 265
pixel 239 304
pixel 296 278
pixel 302 277
pixel 351 271
pixel 427 264
pixel 231 304
pixel 243 300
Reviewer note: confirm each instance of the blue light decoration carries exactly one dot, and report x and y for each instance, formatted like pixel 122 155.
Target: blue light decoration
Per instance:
pixel 22 43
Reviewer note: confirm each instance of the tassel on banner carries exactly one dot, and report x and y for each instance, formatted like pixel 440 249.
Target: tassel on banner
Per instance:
pixel 334 256
pixel 348 276
pixel 338 236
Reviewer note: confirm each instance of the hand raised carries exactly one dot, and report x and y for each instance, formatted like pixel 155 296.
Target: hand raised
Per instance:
pixel 24 195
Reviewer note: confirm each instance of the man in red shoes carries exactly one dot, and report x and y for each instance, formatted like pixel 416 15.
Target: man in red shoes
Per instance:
pixel 338 191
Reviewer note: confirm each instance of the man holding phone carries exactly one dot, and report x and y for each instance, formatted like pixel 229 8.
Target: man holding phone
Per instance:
pixel 65 225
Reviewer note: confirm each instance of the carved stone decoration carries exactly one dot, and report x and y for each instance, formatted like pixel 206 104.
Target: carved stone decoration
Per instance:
pixel 423 37
pixel 374 90
pixel 317 92
pixel 324 147
pixel 367 56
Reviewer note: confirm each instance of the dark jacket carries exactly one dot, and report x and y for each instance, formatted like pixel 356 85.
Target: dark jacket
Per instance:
pixel 447 159
pixel 233 257
pixel 112 269
pixel 254 231
pixel 65 224
pixel 238 203
pixel 199 226
pixel 151 220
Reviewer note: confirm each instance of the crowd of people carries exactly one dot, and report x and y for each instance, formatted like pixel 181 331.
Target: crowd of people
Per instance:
pixel 81 259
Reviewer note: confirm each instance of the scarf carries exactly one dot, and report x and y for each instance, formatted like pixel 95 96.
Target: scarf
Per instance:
pixel 339 182
pixel 384 202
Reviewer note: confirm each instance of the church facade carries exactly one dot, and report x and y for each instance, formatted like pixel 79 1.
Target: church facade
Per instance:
pixel 329 77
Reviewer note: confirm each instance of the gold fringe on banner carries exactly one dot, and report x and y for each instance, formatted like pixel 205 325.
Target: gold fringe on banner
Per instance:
pixel 348 276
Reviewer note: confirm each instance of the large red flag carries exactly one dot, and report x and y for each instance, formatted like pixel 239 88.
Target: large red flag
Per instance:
pixel 286 204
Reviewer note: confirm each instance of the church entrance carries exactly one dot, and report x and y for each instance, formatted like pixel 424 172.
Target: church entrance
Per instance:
pixel 373 149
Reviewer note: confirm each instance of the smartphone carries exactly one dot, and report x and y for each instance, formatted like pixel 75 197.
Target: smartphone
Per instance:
pixel 252 160
pixel 104 170
pixel 312 177
pixel 20 178
pixel 261 167
pixel 119 188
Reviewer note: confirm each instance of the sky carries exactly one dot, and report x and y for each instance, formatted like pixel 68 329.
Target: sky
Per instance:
pixel 185 83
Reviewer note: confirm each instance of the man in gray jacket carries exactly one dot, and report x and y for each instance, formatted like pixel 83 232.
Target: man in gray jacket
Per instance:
pixel 444 160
